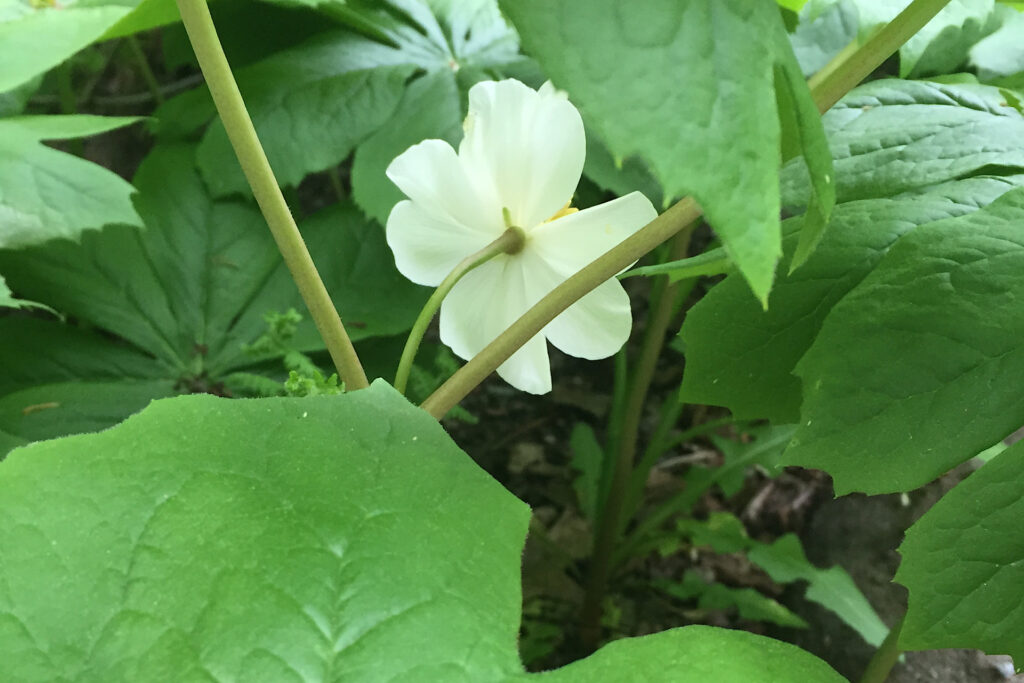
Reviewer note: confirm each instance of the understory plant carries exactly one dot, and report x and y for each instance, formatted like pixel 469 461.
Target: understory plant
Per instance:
pixel 790 231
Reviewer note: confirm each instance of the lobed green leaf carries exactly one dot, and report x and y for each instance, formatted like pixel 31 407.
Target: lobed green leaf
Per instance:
pixel 690 88
pixel 742 357
pixel 46 194
pixel 292 540
pixel 913 371
pixel 963 562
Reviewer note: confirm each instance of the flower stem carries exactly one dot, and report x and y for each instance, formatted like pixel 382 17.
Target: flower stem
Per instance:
pixel 564 295
pixel 825 92
pixel 510 242
pixel 214 64
pixel 612 520
pixel 851 66
pixel 885 657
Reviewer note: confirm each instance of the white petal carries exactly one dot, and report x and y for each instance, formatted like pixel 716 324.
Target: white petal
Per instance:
pixel 426 246
pixel 571 242
pixel 432 175
pixel 481 306
pixel 594 327
pixel 530 145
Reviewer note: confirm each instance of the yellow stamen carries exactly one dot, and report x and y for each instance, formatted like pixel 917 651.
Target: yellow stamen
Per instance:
pixel 566 210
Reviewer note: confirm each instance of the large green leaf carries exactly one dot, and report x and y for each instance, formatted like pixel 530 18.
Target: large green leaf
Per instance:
pixel 823 32
pixel 195 285
pixel 741 356
pixel 47 411
pixel 891 136
pixel 35 39
pixel 914 371
pixel 185 295
pixel 314 103
pixel 37 351
pixel 1002 53
pixel 963 562
pixel 44 193
pixel 288 540
pixel 60 379
pixel 310 106
pixel 430 108
pixel 689 87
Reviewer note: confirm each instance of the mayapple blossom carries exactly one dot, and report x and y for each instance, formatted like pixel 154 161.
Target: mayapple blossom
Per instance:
pixel 517 167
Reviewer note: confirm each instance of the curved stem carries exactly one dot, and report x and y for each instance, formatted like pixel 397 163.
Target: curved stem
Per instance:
pixel 510 242
pixel 195 15
pixel 613 520
pixel 547 309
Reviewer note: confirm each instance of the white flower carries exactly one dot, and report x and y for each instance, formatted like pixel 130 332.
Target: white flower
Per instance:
pixel 519 163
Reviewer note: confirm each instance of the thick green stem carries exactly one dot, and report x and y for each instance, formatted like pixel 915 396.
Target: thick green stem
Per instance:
pixel 612 518
pixel 144 68
pixel 572 290
pixel 510 242
pixel 851 66
pixel 214 64
pixel 885 657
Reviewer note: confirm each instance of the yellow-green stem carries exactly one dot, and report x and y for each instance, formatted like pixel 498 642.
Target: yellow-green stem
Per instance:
pixel 195 15
pixel 510 242
pixel 612 518
pixel 563 296
pixel 851 66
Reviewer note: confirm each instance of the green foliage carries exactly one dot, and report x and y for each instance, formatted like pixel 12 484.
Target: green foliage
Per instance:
pixel 785 562
pixel 963 562
pixel 832 588
pixel 1002 52
pixel 48 194
pixel 304 378
pixel 725 138
pixel 430 108
pixel 747 602
pixel 589 462
pixel 187 293
pixel 912 372
pixel 940 47
pixel 25 29
pixel 892 136
pixel 314 103
pixel 320 534
pixel 742 357
pixel 186 541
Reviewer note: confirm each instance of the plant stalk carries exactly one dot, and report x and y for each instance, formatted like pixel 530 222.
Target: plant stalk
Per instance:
pixel 850 67
pixel 510 242
pixel 612 518
pixel 885 657
pixel 214 64
pixel 547 309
